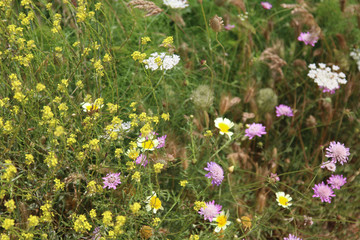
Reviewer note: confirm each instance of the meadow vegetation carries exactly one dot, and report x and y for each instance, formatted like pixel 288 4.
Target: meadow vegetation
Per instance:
pixel 225 119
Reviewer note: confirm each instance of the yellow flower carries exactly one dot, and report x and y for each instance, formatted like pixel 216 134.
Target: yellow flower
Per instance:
pixel 194 237
pixel 107 218
pixel 208 133
pixel 145 40
pixel 283 200
pixel 198 205
pixel 156 221
pixel 224 124
pixel 153 203
pixel 168 41
pixel 165 116
pixel 136 176
pixel 135 208
pixel 29 159
pixel 33 221
pixel 246 221
pixel 81 224
pixel 51 160
pixel 3 236
pixel 221 221
pixel 133 153
pixel 10 205
pixel 98 6
pixel 59 131
pixel 183 183
pixel 158 167
pixel 8 223
pixel 92 213
pixel 59 185
pixel 40 87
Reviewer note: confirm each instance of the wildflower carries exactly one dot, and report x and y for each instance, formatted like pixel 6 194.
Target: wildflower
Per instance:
pixel 136 55
pixel 194 237
pixel 59 185
pixel 228 27
pixel 148 143
pixel 136 176
pixel 10 205
pixel 329 166
pixel 8 223
pixel 246 221
pixel 90 107
pixel 145 40
pixel 255 129
pixel 336 181
pixel 154 203
pixel 176 4
pixel 292 237
pixel 355 54
pixel 221 221
pixel 183 183
pixel 308 38
pixel 266 5
pixel 98 6
pixel 81 224
pixel 111 180
pixel 146 232
pixel 283 110
pixel 308 220
pixel 46 213
pixel 29 159
pixel 337 152
pixel 274 177
pixel 135 207
pixel 161 141
pixel 59 131
pixel 33 221
pixel 224 124
pixel 51 160
pixel 156 221
pixel 215 173
pixel 92 213
pixel 158 167
pixel 324 192
pixel 141 159
pixel 168 41
pixel 130 165
pixel 165 116
pixel 40 87
pixel 198 205
pixel 326 78
pixel 107 218
pixel 168 61
pixel 120 221
pixel 210 211
pixel 216 23
pixel 283 200
pixel 3 236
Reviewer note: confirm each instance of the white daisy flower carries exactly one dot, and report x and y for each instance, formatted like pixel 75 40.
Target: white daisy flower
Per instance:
pixel 224 124
pixel 153 203
pixel 283 200
pixel 221 221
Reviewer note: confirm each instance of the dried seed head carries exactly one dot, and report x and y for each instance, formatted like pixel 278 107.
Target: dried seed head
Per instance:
pixel 226 102
pixel 146 232
pixel 216 23
pixel 266 100
pixel 203 97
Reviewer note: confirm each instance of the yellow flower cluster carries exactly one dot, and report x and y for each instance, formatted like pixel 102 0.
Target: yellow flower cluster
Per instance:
pixel 92 213
pixel 51 160
pixel 10 205
pixel 16 87
pixel 81 13
pixel 33 221
pixel 29 159
pixel 81 224
pixel 56 23
pixel 92 187
pixel 135 207
pixel 138 56
pixel 26 19
pixel 145 40
pixel 158 167
pixel 10 171
pixel 183 183
pixel 198 205
pixel 107 218
pixel 58 185
pixel 136 176
pixel 8 223
pixel 168 41
pixel 120 222
pixel 46 212
pixel 156 221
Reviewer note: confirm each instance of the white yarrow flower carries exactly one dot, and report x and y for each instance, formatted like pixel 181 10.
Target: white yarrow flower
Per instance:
pixel 166 62
pixel 176 3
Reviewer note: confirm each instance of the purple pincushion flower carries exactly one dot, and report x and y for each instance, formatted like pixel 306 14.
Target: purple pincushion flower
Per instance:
pixel 210 211
pixel 111 180
pixel 337 152
pixel 255 129
pixel 228 27
pixel 266 5
pixel 161 141
pixel 216 173
pixel 336 181
pixel 324 192
pixel 283 110
pixel 308 38
pixel 141 159
pixel 292 237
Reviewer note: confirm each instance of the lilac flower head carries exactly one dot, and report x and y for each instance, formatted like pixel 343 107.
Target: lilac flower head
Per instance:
pixel 228 27
pixel 283 110
pixel 111 180
pixel 141 159
pixel 216 173
pixel 266 5
pixel 329 166
pixel 255 129
pixel 161 141
pixel 210 211
pixel 274 177
pixel 336 181
pixel 308 38
pixel 292 237
pixel 324 192
pixel 337 152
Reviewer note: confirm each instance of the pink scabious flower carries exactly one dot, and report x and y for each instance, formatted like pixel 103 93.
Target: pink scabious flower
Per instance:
pixel 283 110
pixel 337 152
pixel 292 237
pixel 111 180
pixel 266 5
pixel 255 129
pixel 210 211
pixel 161 141
pixel 141 159
pixel 324 192
pixel 216 173
pixel 274 177
pixel 308 38
pixel 336 181
pixel 228 27
pixel 329 166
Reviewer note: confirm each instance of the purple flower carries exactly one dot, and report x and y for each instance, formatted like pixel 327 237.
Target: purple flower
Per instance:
pixel 283 110
pixel 336 181
pixel 274 177
pixel 255 129
pixel 329 166
pixel 292 237
pixel 266 5
pixel 324 192
pixel 308 38
pixel 96 234
pixel 325 89
pixel 210 211
pixel 111 180
pixel 161 141
pixel 337 152
pixel 228 27
pixel 216 173
pixel 141 159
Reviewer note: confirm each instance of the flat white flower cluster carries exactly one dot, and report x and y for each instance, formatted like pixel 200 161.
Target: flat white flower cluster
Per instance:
pixel 176 3
pixel 355 54
pixel 326 77
pixel 167 61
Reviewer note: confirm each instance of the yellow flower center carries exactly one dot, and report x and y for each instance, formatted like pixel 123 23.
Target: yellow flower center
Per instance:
pixel 223 127
pixel 148 144
pixel 221 220
pixel 155 202
pixel 92 108
pixel 283 201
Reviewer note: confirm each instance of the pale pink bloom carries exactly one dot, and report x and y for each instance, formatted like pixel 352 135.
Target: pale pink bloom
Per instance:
pixel 210 211
pixel 142 159
pixel 336 181
pixel 283 110
pixel 324 192
pixel 111 180
pixel 292 237
pixel 337 152
pixel 329 166
pixel 255 129
pixel 308 38
pixel 266 5
pixel 216 173
pixel 229 27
